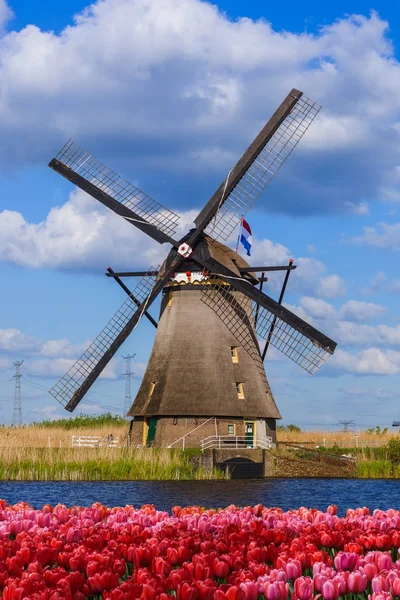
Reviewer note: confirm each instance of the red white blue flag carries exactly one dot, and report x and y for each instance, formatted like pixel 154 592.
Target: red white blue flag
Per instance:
pixel 245 236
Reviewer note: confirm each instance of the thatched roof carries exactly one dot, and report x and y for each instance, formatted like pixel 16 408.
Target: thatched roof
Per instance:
pixel 191 363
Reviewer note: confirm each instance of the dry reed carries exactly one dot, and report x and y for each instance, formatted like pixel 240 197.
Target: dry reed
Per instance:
pixel 332 438
pixel 54 437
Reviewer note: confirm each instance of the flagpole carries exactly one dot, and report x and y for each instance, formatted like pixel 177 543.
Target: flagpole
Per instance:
pixel 240 229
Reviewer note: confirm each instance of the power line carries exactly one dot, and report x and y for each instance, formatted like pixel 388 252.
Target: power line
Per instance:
pixel 17 409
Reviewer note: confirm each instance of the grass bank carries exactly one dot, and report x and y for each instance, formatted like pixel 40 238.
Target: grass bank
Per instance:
pixel 96 464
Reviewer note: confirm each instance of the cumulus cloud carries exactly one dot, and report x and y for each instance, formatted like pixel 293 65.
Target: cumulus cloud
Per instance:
pixel 331 286
pixel 318 308
pixel 346 325
pixel 308 277
pixel 383 236
pixel 182 89
pixel 14 340
pixel 372 361
pixel 5 14
pixel 80 234
pixel 50 358
pixel 356 310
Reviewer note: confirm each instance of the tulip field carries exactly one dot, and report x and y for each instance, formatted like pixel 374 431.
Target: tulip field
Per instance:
pixel 248 553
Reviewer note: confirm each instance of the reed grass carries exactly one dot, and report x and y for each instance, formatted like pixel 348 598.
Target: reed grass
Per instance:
pixel 375 469
pixel 332 438
pixel 101 464
pixel 36 436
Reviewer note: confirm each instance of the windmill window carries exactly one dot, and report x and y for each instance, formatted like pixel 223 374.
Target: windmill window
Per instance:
pixel 234 354
pixel 231 429
pixel 240 391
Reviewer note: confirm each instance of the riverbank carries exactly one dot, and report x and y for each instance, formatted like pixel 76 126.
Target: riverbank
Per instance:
pixel 102 464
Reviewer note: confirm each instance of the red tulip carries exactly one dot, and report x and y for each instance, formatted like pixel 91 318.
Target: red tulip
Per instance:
pixel 221 568
pixel 303 588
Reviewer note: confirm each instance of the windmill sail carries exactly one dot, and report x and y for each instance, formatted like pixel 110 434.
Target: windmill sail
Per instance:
pixel 88 173
pixel 295 338
pixel 271 151
pixel 71 388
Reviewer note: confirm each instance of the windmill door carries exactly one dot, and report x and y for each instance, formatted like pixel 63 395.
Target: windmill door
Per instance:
pixel 249 433
pixel 151 432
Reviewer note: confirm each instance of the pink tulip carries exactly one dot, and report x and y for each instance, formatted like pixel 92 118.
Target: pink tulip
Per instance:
pixel 250 589
pixel 383 561
pixel 370 570
pixel 276 590
pixel 293 569
pixel 395 586
pixel 357 582
pixel 379 584
pixel 330 591
pixel 346 561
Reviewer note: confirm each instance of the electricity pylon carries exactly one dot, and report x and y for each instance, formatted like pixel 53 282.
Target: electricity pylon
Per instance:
pixel 128 375
pixel 17 409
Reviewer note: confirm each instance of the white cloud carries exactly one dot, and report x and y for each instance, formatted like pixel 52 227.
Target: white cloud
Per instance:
pixel 62 348
pixel 363 392
pixel 15 341
pixel 318 308
pixel 5 14
pixel 57 367
pixel 365 335
pixel 355 310
pixel 308 277
pixel 372 361
pixel 346 332
pixel 80 234
pixel 177 85
pixel 383 236
pixel 331 286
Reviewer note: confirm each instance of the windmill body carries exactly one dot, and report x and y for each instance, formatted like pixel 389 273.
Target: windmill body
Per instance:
pixel 200 379
pixel 205 375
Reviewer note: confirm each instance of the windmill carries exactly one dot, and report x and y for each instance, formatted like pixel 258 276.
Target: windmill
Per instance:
pixel 205 374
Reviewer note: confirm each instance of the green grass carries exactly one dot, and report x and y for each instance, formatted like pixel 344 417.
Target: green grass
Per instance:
pixel 84 421
pixel 97 464
pixel 375 469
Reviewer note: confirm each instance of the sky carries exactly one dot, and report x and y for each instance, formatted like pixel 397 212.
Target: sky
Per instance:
pixel 169 93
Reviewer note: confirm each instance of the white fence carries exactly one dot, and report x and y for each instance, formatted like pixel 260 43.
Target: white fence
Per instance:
pixel 235 442
pixel 95 441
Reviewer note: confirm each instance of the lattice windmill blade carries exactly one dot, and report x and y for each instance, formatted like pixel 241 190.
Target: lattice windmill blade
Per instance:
pixel 92 176
pixel 284 330
pixel 71 388
pixel 298 340
pixel 258 165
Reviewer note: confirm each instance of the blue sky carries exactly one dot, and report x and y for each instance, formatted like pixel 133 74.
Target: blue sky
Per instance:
pixel 169 94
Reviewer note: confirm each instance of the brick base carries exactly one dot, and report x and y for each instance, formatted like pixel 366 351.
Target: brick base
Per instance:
pixel 169 430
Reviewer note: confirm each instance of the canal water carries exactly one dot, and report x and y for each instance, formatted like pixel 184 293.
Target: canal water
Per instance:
pixel 285 493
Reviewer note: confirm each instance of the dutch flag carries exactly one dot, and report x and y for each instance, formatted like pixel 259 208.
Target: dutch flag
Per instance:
pixel 245 236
